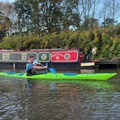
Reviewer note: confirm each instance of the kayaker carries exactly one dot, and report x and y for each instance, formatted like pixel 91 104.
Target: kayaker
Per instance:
pixel 33 69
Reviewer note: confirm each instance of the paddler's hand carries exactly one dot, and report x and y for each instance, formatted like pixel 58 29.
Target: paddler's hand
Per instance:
pixel 45 67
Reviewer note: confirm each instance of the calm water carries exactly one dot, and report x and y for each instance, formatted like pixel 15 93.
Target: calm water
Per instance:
pixel 54 100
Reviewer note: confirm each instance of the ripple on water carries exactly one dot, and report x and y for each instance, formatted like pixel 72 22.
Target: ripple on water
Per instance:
pixel 59 101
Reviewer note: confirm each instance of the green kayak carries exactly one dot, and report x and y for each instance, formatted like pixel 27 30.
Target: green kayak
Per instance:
pixel 61 76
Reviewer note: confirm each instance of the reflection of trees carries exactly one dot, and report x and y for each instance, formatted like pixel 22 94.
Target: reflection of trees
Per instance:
pixel 78 100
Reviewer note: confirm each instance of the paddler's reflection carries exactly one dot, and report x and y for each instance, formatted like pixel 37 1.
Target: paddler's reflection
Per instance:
pixel 32 85
pixel 28 85
pixel 35 85
pixel 53 87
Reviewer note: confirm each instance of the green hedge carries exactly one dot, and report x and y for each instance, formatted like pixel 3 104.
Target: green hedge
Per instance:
pixel 107 40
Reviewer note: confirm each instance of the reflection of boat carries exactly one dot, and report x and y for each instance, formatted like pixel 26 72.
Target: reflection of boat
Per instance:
pixel 61 76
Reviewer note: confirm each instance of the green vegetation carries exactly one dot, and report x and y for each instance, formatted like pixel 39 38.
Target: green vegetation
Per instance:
pixel 44 24
pixel 105 39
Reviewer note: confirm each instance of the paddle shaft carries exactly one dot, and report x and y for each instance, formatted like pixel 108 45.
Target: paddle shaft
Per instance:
pixel 52 70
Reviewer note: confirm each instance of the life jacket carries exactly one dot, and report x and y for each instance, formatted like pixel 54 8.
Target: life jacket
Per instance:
pixel 30 71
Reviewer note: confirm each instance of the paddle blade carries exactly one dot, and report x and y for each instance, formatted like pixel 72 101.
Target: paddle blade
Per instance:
pixel 70 74
pixel 52 70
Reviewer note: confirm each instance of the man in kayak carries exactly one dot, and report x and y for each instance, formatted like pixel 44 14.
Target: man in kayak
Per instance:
pixel 33 69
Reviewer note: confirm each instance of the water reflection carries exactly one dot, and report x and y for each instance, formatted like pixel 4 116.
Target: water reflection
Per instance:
pixel 53 87
pixel 29 85
pixel 60 100
pixel 74 101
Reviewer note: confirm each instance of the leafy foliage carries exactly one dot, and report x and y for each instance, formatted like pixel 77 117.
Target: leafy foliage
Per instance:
pixel 107 43
pixel 5 21
pixel 42 24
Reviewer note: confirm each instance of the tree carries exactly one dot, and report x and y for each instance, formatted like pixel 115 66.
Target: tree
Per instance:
pixel 88 10
pixel 5 21
pixel 110 10
pixel 46 16
pixel 51 16
pixel 108 22
pixel 23 12
pixel 114 8
pixel 70 11
pixel 90 23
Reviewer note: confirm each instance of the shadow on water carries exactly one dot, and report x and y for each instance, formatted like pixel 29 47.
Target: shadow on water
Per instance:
pixel 60 100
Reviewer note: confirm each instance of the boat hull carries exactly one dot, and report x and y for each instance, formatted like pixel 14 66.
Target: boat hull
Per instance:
pixel 60 76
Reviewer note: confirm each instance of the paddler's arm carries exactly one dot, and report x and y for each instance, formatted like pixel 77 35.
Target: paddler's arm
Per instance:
pixel 39 67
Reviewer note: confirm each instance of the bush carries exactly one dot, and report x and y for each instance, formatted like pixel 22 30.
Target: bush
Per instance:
pixel 105 39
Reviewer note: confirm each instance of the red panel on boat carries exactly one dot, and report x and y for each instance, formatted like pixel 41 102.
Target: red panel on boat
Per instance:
pixel 64 56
